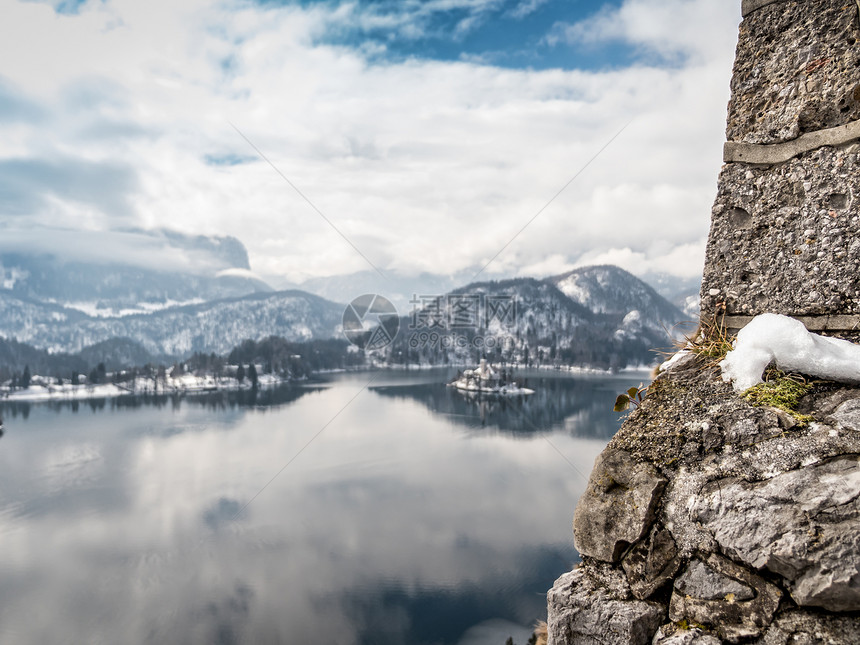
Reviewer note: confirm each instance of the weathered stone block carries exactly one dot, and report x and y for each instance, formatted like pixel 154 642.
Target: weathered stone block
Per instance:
pixel 593 607
pixel 700 581
pixel 848 414
pixel 801 627
pixel 699 598
pixel 795 71
pixel 617 507
pixel 673 635
pixel 801 525
pixel 784 239
pixel 651 563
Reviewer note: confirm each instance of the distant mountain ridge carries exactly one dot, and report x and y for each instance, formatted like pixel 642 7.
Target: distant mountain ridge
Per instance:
pixel 215 326
pixel 546 326
pixel 178 294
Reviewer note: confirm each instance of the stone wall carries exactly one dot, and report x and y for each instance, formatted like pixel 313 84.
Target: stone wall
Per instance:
pixel 784 232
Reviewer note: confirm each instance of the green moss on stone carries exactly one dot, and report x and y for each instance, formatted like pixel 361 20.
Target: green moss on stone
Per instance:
pixel 782 391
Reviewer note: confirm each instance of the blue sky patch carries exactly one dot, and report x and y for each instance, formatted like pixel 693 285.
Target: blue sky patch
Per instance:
pixel 229 159
pixel 65 7
pixel 505 33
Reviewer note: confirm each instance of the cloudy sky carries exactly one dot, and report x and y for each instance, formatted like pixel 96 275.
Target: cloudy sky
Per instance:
pixel 403 135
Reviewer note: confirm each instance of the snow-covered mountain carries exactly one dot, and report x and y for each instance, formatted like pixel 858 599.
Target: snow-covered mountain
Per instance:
pixel 167 295
pixel 609 289
pixel 215 326
pixel 528 321
pixel 661 299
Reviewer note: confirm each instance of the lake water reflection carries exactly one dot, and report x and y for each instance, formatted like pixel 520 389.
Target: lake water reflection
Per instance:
pixel 371 508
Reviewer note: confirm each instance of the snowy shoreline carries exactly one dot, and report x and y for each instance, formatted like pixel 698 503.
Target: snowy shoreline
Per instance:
pixel 41 390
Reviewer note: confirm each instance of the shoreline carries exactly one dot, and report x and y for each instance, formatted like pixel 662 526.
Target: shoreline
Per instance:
pixel 43 391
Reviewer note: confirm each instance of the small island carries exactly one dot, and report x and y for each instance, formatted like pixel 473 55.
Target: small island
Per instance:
pixel 486 379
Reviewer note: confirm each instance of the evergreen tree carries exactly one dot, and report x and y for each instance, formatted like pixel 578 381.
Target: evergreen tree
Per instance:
pixel 240 373
pixel 25 377
pixel 252 375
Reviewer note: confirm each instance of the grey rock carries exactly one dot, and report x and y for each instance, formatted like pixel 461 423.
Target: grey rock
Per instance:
pixel 700 581
pixel 585 607
pixel 747 431
pixel 671 634
pixel 801 525
pixel 617 507
pixel 651 563
pixel 848 414
pixel 731 618
pixel 801 627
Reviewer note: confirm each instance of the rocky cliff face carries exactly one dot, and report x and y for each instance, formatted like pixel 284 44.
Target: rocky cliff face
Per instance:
pixel 707 520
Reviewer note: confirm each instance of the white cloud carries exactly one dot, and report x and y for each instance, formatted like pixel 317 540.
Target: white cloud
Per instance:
pixel 526 7
pixel 424 165
pixel 690 28
pixel 151 249
pixel 683 260
pixel 553 265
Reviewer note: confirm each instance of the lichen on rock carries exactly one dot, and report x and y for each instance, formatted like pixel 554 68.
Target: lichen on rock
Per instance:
pixel 732 600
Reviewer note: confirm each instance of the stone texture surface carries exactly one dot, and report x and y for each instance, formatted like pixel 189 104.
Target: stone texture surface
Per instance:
pixel 617 507
pixel 795 71
pixel 651 563
pixel 799 627
pixel 700 581
pixel 803 525
pixel 778 153
pixel 784 239
pixel 671 634
pixel 732 618
pixel 847 414
pixel 593 606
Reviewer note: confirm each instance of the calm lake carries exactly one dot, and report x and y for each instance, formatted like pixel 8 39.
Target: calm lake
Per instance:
pixel 365 509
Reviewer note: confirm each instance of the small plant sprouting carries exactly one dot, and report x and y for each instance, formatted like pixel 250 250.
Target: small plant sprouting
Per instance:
pixel 634 395
pixel 711 340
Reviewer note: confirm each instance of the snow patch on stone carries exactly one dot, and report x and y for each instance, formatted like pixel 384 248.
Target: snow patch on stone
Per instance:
pixel 676 358
pixel 785 342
